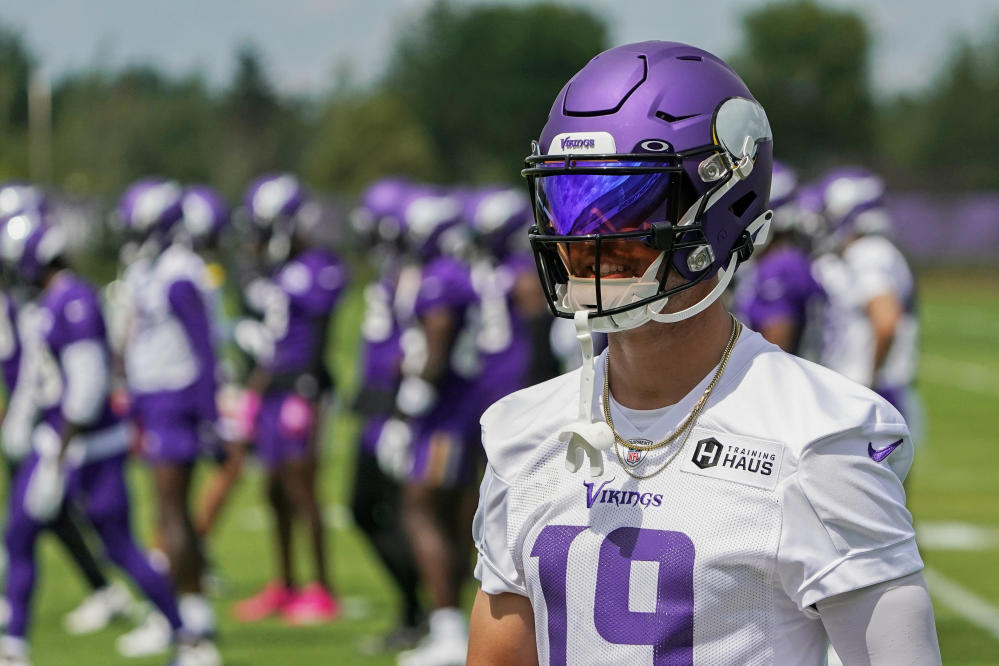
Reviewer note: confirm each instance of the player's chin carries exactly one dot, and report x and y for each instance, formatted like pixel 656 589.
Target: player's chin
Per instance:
pixel 688 297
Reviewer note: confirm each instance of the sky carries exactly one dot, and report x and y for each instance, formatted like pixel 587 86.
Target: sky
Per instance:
pixel 304 42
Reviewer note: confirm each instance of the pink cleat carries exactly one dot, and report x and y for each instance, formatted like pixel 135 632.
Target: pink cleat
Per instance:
pixel 271 600
pixel 313 605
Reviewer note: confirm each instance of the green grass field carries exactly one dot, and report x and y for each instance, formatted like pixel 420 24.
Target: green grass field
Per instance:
pixel 953 489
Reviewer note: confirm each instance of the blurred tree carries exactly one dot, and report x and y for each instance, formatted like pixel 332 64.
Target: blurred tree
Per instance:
pixel 15 73
pixel 808 65
pixel 361 137
pixel 255 130
pixel 946 136
pixel 481 79
pixel 110 130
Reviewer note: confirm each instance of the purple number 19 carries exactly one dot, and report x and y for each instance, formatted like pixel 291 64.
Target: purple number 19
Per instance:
pixel 669 629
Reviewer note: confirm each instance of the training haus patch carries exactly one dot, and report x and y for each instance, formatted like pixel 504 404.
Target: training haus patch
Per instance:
pixel 754 462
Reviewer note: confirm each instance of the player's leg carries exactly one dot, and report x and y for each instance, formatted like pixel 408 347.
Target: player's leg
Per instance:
pixel 316 602
pixel 278 593
pixel 108 601
pixel 375 505
pixel 20 538
pixel 432 519
pixel 102 487
pixel 219 487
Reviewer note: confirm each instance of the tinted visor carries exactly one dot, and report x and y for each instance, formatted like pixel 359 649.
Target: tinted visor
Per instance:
pixel 596 198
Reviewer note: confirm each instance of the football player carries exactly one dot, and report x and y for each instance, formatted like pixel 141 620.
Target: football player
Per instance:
pixel 289 385
pixel 779 297
pixel 435 429
pixel 107 600
pixel 80 445
pixel 376 502
pixel 169 360
pixel 204 219
pixel 871 331
pixel 697 495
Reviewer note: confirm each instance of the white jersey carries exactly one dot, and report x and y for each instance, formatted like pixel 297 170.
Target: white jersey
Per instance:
pixel 869 267
pixel 158 354
pixel 787 491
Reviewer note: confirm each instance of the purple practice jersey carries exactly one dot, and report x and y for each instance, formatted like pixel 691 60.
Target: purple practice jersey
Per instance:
pixel 71 314
pixel 309 287
pixel 503 337
pixel 782 288
pixel 446 282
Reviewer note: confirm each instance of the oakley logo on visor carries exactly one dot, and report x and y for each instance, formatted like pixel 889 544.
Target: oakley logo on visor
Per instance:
pixel 582 142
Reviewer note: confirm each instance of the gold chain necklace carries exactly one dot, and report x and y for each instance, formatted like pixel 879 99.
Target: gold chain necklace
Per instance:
pixel 688 424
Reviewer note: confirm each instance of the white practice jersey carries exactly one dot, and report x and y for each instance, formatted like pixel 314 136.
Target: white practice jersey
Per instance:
pixel 158 354
pixel 787 491
pixel 869 267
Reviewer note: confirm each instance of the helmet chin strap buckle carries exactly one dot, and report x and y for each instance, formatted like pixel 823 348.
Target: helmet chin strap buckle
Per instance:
pixel 584 437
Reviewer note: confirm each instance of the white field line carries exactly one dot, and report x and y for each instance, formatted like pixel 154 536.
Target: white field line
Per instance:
pixel 964 602
pixel 953 535
pixel 959 374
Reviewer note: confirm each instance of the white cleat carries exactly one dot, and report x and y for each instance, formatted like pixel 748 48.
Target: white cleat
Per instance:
pixel 150 638
pixel 445 645
pixel 13 652
pixel 446 651
pixel 99 609
pixel 202 653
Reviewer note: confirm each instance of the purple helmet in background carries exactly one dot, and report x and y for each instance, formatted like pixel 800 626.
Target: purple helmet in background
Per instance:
pixel 28 243
pixel 18 197
pixel 377 218
pixel 498 215
pixel 151 207
pixel 651 175
pixel 273 197
pixel 204 214
pixel 853 202
pixel 431 218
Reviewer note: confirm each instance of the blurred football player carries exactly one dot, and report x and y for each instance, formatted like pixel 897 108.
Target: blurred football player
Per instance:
pixel 79 446
pixel 434 436
pixel 289 385
pixel 107 600
pixel 779 297
pixel 205 217
pixel 871 327
pixel 377 498
pixel 169 360
pixel 697 495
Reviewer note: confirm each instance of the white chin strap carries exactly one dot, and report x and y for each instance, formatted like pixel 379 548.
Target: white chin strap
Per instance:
pixel 584 437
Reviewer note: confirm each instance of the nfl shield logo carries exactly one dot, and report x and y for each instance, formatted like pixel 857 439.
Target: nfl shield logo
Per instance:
pixel 635 458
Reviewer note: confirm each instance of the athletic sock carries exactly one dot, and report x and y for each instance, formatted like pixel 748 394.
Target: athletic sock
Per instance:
pixel 197 614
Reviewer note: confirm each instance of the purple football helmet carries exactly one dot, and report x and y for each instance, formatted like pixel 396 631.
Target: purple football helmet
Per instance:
pixel 150 208
pixel 497 215
pixel 18 197
pixel 273 197
pixel 204 214
pixel 651 175
pixel 377 219
pixel 275 205
pixel 431 219
pixel 853 202
pixel 29 242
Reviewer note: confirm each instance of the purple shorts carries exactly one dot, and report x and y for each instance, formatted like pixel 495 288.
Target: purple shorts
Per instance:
pixel 173 442
pixel 446 453
pixel 284 428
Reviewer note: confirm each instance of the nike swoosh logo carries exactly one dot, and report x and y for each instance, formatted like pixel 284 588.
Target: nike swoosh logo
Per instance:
pixel 877 455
